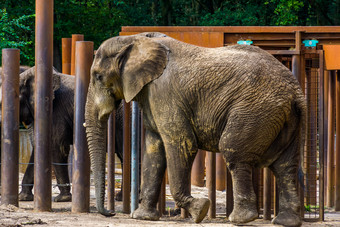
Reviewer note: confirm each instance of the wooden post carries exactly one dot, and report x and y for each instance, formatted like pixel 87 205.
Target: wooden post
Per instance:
pixel 126 159
pixel 43 105
pixel 211 183
pixel 198 167
pixel 66 44
pixel 337 150
pixel 10 127
pixel 81 158
pixel 75 38
pixel 111 162
pixel 220 172
pixel 267 191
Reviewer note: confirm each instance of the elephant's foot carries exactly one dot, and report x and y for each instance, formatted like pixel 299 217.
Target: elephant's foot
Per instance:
pixel 286 218
pixel 63 197
pixel 243 214
pixel 26 196
pixel 145 214
pixel 198 208
pixel 119 196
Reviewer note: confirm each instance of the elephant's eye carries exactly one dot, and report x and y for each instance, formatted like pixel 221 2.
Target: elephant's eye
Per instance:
pixel 99 77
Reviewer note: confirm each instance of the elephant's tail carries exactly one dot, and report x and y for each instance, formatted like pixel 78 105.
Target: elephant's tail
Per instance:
pixel 301 111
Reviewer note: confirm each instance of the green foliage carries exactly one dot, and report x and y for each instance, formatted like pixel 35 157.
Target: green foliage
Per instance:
pixel 12 35
pixel 99 20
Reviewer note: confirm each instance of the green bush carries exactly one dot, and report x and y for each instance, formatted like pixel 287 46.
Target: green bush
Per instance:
pixel 15 34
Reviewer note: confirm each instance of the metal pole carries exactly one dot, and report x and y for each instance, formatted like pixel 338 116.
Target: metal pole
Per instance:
pixel 134 157
pixel 197 172
pixel 126 159
pixel 296 61
pixel 229 194
pixel 161 199
pixel 111 162
pixel 81 158
pixel 322 141
pixel 331 132
pixel 75 38
pixel 211 183
pixel 267 194
pixel 220 172
pixel 43 105
pixel 337 150
pixel 66 44
pixel 10 127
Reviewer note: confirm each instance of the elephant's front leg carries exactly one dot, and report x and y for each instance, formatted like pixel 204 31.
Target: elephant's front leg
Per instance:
pixel 153 169
pixel 61 171
pixel 180 157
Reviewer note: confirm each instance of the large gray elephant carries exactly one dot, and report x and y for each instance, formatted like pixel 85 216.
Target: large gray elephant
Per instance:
pixel 62 130
pixel 237 100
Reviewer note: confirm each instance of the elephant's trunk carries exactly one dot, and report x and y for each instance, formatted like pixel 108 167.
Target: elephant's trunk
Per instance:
pixel 96 138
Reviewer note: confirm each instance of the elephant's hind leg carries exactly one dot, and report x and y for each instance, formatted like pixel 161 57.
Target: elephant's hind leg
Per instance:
pixel 285 170
pixel 245 209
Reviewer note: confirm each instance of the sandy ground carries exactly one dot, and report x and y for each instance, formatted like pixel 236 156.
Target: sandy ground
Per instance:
pixel 61 215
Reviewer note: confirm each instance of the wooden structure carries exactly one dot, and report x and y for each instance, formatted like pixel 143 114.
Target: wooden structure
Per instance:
pixel 307 64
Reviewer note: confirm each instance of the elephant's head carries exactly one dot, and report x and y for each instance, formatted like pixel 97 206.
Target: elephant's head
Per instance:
pixel 26 96
pixel 122 67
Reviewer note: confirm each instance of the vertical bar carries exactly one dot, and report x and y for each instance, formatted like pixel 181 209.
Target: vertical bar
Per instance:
pixel 276 198
pixel 111 162
pixel 211 183
pixel 197 172
pixel 66 44
pixel 81 158
pixel 229 194
pixel 331 133
pixel 267 191
pixel 10 127
pixel 126 159
pixel 43 105
pixel 256 179
pixel 322 141
pixel 337 149
pixel 296 61
pixel 134 157
pixel 220 172
pixel 75 38
pixel 161 199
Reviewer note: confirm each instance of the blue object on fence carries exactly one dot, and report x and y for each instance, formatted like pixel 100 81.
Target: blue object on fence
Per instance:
pixel 310 42
pixel 134 157
pixel 245 42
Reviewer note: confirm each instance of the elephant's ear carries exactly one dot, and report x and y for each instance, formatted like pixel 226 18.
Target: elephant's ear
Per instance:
pixel 140 63
pixel 28 79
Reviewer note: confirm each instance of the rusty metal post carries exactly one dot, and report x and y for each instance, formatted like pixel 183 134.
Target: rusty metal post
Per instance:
pixel 81 158
pixel 267 191
pixel 126 159
pixel 331 132
pixel 322 142
pixel 66 44
pixel 197 172
pixel 111 162
pixel 229 194
pixel 43 105
pixel 296 61
pixel 337 150
pixel 10 127
pixel 220 172
pixel 276 198
pixel 75 38
pixel 161 199
pixel 211 183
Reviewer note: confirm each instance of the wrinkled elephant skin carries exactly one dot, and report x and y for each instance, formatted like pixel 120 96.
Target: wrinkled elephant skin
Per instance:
pixel 237 100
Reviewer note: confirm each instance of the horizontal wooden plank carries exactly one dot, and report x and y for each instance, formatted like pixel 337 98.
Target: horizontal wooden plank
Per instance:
pixel 234 29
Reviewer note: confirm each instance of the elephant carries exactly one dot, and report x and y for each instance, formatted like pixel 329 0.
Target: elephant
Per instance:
pixel 62 130
pixel 237 100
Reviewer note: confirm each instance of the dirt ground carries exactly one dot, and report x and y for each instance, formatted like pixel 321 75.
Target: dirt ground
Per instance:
pixel 61 215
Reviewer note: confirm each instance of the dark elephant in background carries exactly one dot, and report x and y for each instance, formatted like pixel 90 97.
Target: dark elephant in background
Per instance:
pixel 62 130
pixel 237 100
